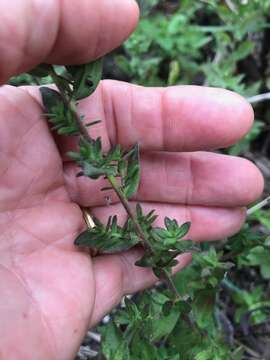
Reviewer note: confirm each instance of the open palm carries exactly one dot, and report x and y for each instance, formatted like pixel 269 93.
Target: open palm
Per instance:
pixel 50 291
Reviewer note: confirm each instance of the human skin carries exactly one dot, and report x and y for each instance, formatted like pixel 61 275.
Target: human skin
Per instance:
pixel 51 292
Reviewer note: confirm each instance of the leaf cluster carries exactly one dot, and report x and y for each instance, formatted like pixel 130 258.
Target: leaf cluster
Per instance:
pixel 143 330
pixel 109 238
pixel 165 243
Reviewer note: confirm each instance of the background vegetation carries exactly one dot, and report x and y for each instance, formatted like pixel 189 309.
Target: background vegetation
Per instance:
pixel 213 43
pixel 226 290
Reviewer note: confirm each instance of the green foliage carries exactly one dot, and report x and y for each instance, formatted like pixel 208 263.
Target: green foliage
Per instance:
pixel 58 114
pixel 93 162
pixel 251 300
pixel 111 238
pixel 119 167
pixel 165 244
pixel 200 39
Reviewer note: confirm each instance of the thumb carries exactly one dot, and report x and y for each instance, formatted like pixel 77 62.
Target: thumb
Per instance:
pixel 61 31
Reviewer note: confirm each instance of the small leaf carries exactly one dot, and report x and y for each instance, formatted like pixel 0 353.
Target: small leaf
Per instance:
pixel 73 155
pixel 184 229
pixel 122 168
pixel 167 307
pixel 92 172
pixel 168 223
pixel 203 308
pixel 145 261
pixel 84 239
pixel 115 346
pixel 68 130
pixel 132 179
pixel 139 211
pixel 42 70
pixel 86 78
pixel 158 272
pixel 92 123
pixel 107 239
pixel 51 99
pixel 132 310
pixel 184 245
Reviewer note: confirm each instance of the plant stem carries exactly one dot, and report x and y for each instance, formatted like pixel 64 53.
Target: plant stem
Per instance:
pixel 71 106
pixel 84 133
pixel 258 206
pixel 165 277
pixel 126 205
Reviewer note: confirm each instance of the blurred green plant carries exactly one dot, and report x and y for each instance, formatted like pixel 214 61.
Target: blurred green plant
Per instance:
pixel 200 42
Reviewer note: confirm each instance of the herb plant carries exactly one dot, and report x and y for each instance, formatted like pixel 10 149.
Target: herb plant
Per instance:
pixel 121 168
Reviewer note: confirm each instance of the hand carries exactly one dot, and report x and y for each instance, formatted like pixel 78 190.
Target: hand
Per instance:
pixel 51 292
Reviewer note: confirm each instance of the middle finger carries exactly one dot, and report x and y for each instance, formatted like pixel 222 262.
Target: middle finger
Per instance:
pixel 198 178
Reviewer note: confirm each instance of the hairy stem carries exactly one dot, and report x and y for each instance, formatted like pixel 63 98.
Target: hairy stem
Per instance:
pixel 126 205
pixel 258 206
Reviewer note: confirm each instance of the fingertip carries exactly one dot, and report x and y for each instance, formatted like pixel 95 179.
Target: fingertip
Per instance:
pixel 135 11
pixel 242 116
pixel 236 115
pixel 89 30
pixel 213 224
pixel 232 222
pixel 222 116
pixel 255 182
pixel 130 13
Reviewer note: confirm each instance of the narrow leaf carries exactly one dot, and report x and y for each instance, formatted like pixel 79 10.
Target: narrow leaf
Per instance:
pixel 132 179
pixel 86 78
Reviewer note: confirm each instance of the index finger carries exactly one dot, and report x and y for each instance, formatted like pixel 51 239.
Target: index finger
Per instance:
pixel 61 32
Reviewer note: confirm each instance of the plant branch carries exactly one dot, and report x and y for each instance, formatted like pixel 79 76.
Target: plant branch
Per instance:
pixel 84 133
pixel 126 205
pixel 164 276
pixel 70 105
pixel 258 206
pixel 259 98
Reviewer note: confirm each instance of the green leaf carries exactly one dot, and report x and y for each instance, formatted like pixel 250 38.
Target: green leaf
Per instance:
pixel 57 112
pixel 115 346
pixel 168 223
pixel 122 168
pixel 143 350
pixel 132 179
pixel 132 310
pixel 86 78
pixel 110 238
pixel 267 241
pixel 184 245
pixel 145 261
pixel 51 99
pixel 205 355
pixel 260 256
pixel 94 172
pixel 183 230
pixel 42 70
pixel 203 309
pixel 167 307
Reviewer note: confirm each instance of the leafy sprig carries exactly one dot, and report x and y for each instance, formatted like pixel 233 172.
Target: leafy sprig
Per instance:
pixel 121 168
